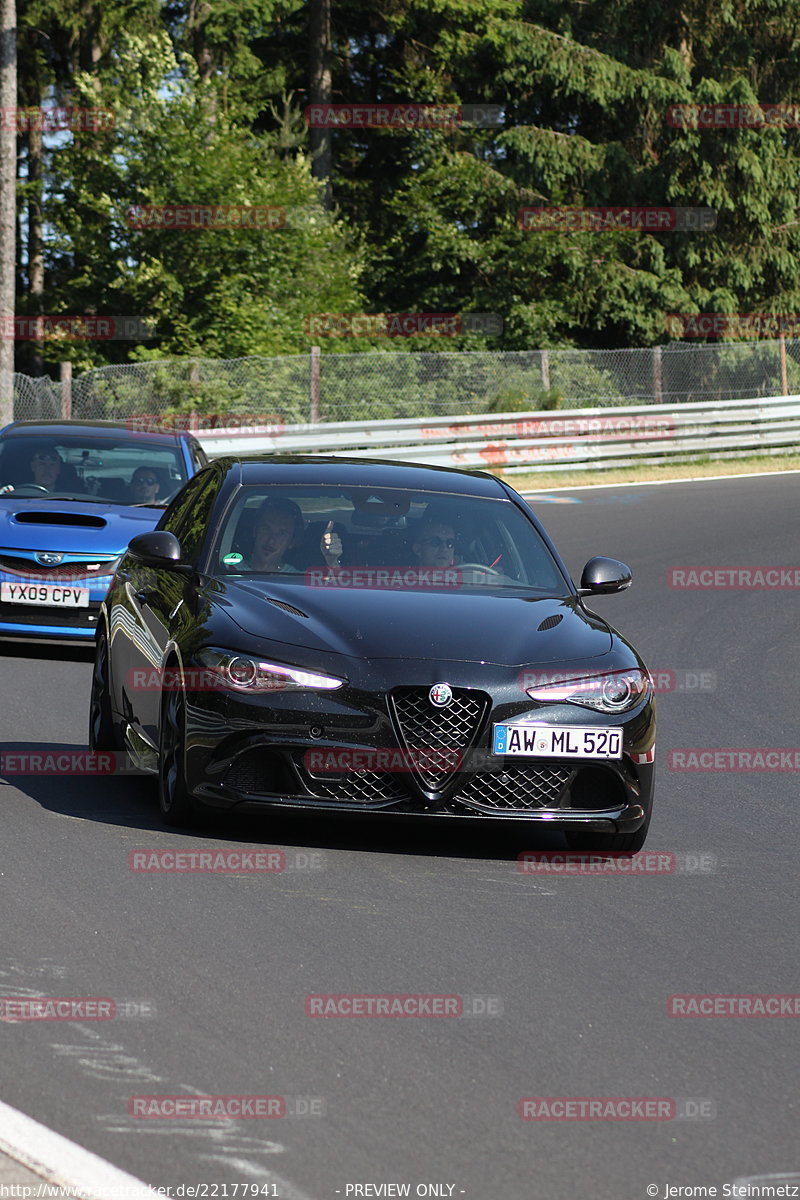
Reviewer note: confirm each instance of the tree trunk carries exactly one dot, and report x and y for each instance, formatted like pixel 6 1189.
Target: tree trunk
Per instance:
pixel 35 242
pixel 319 92
pixel 8 202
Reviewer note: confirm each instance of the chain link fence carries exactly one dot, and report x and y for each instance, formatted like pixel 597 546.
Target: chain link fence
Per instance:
pixel 298 388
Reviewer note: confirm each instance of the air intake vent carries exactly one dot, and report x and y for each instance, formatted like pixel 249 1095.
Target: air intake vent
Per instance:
pixel 290 608
pixel 423 726
pixel 79 520
pixel 550 622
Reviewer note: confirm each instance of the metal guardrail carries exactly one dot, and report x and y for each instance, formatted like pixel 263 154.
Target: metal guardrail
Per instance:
pixel 573 439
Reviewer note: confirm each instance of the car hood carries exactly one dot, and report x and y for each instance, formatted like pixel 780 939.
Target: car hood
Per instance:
pixel 71 525
pixel 467 626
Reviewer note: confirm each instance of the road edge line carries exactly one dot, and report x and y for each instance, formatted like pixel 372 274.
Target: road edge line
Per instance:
pixel 63 1163
pixel 588 487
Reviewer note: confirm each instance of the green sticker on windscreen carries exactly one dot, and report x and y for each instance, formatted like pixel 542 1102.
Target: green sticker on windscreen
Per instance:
pixel 233 560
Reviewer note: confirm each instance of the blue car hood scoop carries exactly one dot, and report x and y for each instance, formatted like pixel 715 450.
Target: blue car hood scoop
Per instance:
pixel 54 517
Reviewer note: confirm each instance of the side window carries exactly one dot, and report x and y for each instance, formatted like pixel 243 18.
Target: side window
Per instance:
pixel 187 516
pixel 199 456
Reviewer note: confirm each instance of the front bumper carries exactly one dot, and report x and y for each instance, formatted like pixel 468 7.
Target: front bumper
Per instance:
pixel 246 755
pixel 51 621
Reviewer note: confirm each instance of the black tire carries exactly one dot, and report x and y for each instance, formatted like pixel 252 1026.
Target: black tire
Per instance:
pixel 615 843
pixel 177 806
pixel 102 730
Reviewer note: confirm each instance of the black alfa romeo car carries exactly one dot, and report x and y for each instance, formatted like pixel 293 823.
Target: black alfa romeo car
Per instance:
pixel 326 633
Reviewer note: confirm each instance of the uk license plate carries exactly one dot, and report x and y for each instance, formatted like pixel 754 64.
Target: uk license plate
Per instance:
pixel 556 741
pixel 47 594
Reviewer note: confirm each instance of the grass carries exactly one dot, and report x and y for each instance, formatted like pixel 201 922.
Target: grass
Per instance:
pixel 548 480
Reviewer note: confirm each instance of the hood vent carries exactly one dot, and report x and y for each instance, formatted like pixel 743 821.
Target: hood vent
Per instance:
pixel 76 520
pixel 550 622
pixel 290 608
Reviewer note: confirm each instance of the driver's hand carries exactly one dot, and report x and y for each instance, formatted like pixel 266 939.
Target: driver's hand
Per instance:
pixel 331 546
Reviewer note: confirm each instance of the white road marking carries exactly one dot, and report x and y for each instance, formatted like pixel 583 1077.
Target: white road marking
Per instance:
pixel 590 487
pixel 61 1162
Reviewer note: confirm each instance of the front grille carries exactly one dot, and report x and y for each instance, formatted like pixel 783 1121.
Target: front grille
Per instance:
pixel 423 726
pixel 517 788
pixel 259 771
pixel 67 573
pixel 355 787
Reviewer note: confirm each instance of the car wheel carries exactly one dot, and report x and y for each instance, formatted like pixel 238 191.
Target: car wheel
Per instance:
pixel 177 806
pixel 102 732
pixel 618 843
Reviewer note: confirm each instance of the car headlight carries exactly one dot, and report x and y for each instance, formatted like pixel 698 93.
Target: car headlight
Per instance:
pixel 242 673
pixel 611 692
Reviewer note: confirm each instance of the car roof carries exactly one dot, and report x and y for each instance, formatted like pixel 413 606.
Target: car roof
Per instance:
pixel 120 430
pixel 365 472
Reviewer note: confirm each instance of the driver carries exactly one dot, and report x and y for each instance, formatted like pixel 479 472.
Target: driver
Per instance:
pixel 279 527
pixel 435 546
pixel 47 468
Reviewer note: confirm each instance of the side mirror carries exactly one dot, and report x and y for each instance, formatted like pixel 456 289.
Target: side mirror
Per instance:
pixel 604 577
pixel 157 548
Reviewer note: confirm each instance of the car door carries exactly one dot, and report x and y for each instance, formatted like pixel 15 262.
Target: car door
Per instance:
pixel 161 599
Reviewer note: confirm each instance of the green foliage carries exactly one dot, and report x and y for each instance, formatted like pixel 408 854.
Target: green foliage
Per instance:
pixel 208 98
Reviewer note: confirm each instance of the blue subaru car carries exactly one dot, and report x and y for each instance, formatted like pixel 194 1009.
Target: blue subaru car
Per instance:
pixel 72 495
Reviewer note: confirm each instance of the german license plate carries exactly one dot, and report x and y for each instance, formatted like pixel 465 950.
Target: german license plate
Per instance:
pixel 557 741
pixel 47 594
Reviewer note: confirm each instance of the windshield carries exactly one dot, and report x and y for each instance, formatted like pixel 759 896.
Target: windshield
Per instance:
pixel 359 537
pixel 124 471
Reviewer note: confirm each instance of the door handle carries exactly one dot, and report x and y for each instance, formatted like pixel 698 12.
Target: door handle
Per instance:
pixel 144 595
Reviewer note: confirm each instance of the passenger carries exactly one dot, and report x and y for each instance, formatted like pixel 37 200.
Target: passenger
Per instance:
pixel 144 486
pixel 279 527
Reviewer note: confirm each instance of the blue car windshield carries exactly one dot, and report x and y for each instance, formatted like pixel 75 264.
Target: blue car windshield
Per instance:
pixel 100 469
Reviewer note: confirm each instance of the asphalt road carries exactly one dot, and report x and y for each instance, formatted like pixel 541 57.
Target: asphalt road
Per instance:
pixel 582 967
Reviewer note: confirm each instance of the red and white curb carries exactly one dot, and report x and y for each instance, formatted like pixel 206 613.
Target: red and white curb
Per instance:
pixel 62 1163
